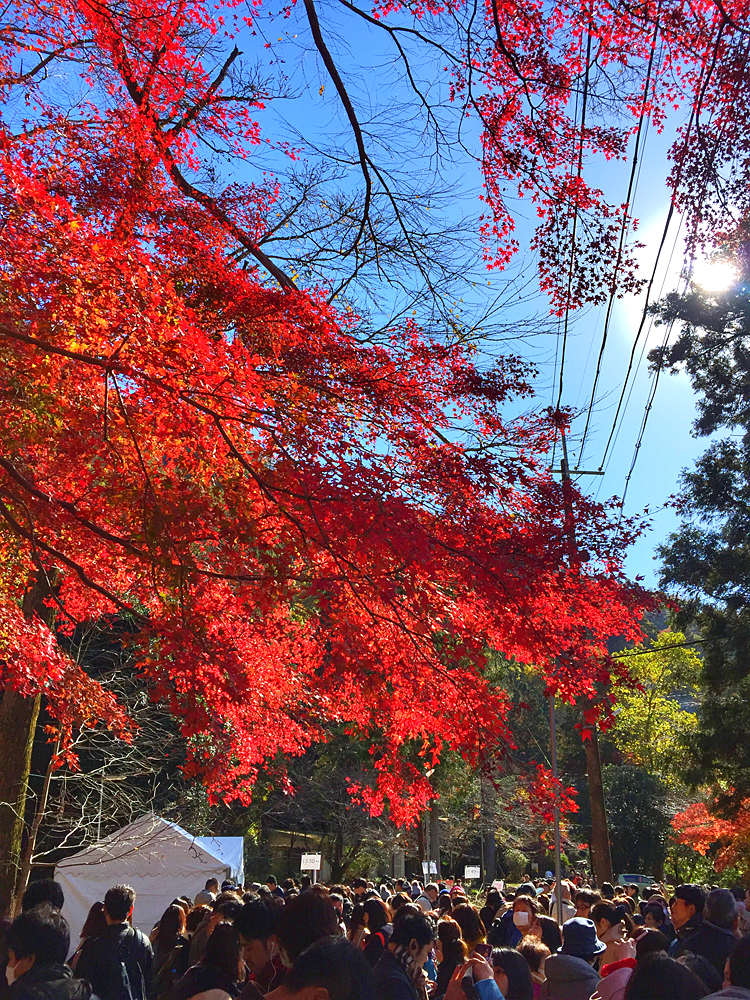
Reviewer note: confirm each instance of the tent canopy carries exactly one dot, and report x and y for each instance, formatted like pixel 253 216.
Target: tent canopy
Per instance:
pixel 158 859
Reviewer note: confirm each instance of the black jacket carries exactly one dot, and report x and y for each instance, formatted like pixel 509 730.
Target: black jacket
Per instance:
pixel 101 964
pixel 714 943
pixel 391 981
pixel 200 979
pixel 48 982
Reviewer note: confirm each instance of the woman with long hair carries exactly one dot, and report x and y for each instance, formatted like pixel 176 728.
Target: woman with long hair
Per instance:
pixel 512 974
pixel 450 953
pixel 472 928
pixel 529 919
pixel 377 918
pixel 613 925
pixel 218 972
pixel 95 924
pixel 171 950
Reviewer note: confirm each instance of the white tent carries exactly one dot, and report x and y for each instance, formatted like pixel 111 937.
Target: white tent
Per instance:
pixel 158 859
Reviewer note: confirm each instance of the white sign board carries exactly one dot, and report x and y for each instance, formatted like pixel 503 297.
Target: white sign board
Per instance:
pixel 310 863
pixel 472 871
pixel 425 868
pixel 433 868
pixel 498 884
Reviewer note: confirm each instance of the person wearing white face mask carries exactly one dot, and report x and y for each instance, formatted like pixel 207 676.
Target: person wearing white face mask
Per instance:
pixel 529 919
pixel 38 943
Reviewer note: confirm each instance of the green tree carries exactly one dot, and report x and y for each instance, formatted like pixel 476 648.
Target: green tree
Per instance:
pixel 638 812
pixel 653 727
pixel 706 562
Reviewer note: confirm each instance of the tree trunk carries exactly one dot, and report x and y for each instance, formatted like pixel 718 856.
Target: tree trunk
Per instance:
pixel 435 835
pixel 41 808
pixel 421 843
pixel 18 716
pixel 600 853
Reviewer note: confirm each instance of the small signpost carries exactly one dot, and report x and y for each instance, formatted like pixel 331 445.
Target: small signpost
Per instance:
pixel 425 868
pixel 310 863
pixel 472 871
pixel 433 868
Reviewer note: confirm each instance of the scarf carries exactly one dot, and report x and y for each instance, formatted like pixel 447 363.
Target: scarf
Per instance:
pixel 416 974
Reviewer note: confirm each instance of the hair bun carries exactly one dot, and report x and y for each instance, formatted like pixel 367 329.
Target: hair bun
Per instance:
pixel 621 911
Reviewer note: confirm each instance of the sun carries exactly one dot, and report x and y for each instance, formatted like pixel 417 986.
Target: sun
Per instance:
pixel 714 275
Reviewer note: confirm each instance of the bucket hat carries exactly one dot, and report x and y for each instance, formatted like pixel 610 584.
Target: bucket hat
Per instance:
pixel 579 938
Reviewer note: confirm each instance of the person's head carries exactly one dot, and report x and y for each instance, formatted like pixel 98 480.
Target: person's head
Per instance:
pixel 396 902
pixel 648 942
pixel 584 899
pixel 608 890
pixel 359 886
pixel 223 952
pixel 534 951
pixel 607 915
pixel 338 902
pixel 580 940
pixel 689 900
pixel 304 920
pixel 720 908
pixel 416 933
pixel 195 918
pixel 118 904
pixel 525 889
pixel 632 890
pixel 654 916
pixel 468 919
pixel 450 947
pixel 512 974
pixel 431 891
pixel 330 969
pixel 212 885
pixel 39 937
pixel 526 909
pixel 704 970
pixel 95 923
pixel 171 927
pixel 376 914
pixel 43 890
pixel 737 969
pixel 494 900
pixel 658 977
pixel 256 924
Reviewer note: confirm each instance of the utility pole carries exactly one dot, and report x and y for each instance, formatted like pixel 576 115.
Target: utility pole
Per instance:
pixel 601 855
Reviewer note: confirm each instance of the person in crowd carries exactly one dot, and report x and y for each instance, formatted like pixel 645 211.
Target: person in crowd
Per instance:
pixel 304 920
pixel 568 907
pixel 195 918
pixel 616 975
pixel 121 965
pixel 377 917
pixel 171 951
pixel 359 888
pixel 208 894
pixel 655 918
pixel 494 902
pixel 94 925
pixel 512 974
pixel 38 942
pixel 659 977
pixel 43 890
pixel 472 928
pixel 218 972
pixel 570 974
pixel 686 910
pixel 528 919
pixel 443 904
pixel 715 937
pixel 273 887
pixel 450 953
pixel 736 984
pixel 632 891
pixel 703 970
pixel 399 973
pixel 427 897
pixel 503 932
pixel 584 899
pixel 608 890
pixel 536 954
pixel 330 969
pixel 357 930
pixel 613 925
pixel 224 908
pixel 256 925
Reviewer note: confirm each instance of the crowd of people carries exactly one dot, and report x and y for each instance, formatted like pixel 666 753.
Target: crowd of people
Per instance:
pixel 398 940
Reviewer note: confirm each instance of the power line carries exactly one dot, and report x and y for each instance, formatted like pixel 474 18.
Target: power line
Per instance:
pixel 632 183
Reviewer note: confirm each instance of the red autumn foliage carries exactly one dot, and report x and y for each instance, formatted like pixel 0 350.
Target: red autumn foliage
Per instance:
pixel 291 516
pixel 728 840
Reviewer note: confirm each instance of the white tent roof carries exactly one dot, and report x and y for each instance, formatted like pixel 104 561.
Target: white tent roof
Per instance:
pixel 158 859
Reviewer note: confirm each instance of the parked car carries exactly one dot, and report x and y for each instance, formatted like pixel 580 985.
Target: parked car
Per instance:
pixel 636 880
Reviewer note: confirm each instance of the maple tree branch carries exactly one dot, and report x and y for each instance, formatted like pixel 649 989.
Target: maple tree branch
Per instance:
pixel 312 17
pixel 34 540
pixel 196 109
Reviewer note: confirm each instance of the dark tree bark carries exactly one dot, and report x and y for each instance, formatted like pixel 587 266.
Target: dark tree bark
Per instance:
pixel 600 853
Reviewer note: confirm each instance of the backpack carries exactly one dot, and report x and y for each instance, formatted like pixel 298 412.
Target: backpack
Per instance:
pixel 128 981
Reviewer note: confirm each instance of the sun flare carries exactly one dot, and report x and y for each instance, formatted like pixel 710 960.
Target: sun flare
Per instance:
pixel 714 275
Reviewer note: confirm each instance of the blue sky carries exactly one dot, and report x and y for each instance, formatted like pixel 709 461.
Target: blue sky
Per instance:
pixel 383 100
